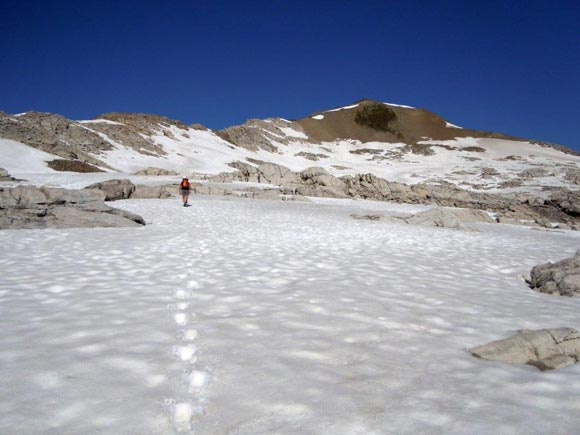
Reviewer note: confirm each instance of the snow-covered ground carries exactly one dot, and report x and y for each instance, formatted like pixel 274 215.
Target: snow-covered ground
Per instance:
pixel 261 317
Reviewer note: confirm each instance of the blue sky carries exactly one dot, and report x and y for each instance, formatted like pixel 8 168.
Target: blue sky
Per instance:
pixel 505 66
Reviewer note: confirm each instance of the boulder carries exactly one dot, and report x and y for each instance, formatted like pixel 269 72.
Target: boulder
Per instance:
pixel 449 218
pixel 153 192
pixel 31 207
pixel 155 171
pixel 561 278
pixel 275 174
pixel 546 349
pixel 4 175
pixel 114 189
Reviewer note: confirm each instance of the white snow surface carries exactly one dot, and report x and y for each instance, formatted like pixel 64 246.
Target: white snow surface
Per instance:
pixel 248 317
pixel 318 117
pixel 449 125
pixel 100 121
pixel 19 158
pixel 342 108
pixel 288 131
pixel 399 105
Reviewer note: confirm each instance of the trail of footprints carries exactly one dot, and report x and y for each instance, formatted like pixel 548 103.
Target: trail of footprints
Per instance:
pixel 183 410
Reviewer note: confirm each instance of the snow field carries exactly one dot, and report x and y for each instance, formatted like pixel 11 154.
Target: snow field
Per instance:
pixel 258 317
pixel 183 410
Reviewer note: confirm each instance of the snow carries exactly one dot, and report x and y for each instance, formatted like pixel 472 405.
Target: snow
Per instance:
pixel 293 133
pixel 100 121
pixel 399 105
pixel 343 108
pixel 318 117
pixel 18 158
pixel 315 323
pixel 449 125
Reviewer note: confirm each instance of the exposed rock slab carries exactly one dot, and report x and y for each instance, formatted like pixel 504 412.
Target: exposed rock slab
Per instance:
pixel 153 192
pixel 31 207
pixel 561 278
pixel 449 218
pixel 546 349
pixel 114 189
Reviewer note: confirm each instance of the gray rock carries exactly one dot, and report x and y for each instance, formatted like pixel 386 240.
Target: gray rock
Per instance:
pixel 155 172
pixel 533 173
pixel 4 175
pixel 31 207
pixel 449 218
pixel 546 349
pixel 561 278
pixel 114 189
pixel 573 175
pixel 153 192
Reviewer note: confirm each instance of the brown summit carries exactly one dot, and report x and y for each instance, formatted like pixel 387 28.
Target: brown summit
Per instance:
pixel 372 121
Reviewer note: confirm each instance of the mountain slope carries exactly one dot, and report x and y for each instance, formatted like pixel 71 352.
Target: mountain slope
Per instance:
pixel 398 143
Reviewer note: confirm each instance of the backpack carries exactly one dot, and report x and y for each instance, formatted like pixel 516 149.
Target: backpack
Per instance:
pixel 184 184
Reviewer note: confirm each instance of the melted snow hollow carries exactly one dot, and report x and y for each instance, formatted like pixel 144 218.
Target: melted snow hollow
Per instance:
pixel 261 317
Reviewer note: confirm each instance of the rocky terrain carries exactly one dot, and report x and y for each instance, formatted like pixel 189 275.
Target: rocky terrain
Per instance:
pixel 561 206
pixel 30 207
pixel 368 150
pixel 546 349
pixel 560 278
pixel 397 143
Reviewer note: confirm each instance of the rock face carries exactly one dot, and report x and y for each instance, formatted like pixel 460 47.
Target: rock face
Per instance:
pixel 561 278
pixel 114 189
pixel 545 349
pixel 257 134
pixel 32 207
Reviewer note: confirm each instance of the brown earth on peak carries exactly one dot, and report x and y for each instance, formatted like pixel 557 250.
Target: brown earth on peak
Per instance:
pixel 408 125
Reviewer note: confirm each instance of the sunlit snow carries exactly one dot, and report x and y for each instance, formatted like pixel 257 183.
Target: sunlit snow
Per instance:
pixel 262 317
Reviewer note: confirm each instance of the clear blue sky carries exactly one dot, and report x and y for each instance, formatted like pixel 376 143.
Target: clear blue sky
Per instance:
pixel 506 66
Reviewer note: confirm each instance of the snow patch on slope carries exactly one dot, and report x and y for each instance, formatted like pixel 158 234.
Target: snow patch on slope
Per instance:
pixel 399 105
pixel 18 158
pixel 342 108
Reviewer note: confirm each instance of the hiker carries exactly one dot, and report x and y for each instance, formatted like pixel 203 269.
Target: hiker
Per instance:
pixel 184 187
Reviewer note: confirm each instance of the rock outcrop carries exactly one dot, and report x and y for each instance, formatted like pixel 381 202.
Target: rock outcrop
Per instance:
pixel 546 349
pixel 114 189
pixel 562 206
pixel 31 207
pixel 561 278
